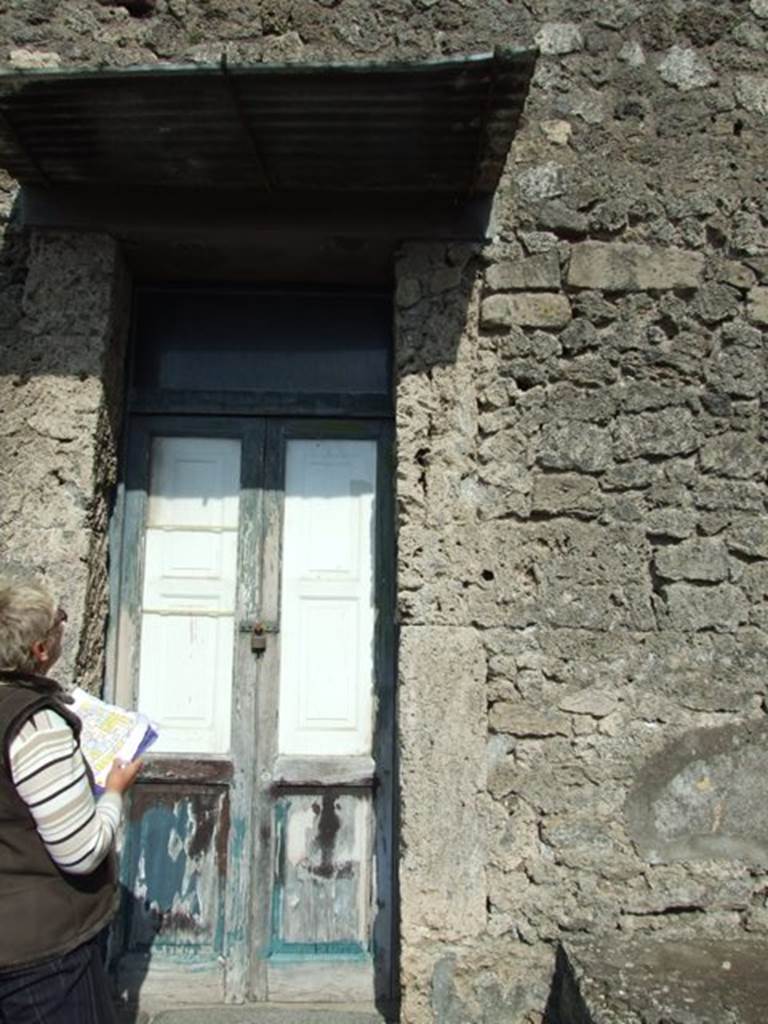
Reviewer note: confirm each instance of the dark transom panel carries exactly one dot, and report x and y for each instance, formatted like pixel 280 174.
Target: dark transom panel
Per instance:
pixel 440 129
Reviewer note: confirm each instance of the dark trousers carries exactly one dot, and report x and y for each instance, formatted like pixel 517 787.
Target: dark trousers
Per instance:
pixel 69 989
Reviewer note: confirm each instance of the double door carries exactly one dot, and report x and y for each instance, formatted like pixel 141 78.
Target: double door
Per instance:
pixel 253 624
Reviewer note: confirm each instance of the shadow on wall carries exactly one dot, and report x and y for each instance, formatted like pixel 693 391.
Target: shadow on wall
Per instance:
pixel 435 284
pixel 565 1005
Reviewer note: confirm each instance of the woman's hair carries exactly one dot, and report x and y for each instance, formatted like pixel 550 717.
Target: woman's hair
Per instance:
pixel 27 615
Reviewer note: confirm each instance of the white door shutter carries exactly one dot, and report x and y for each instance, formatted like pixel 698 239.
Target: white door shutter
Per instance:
pixel 187 620
pixel 327 615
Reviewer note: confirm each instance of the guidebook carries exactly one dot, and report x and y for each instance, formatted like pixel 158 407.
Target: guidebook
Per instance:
pixel 109 732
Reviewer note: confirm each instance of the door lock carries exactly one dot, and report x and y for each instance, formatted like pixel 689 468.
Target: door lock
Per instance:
pixel 258 632
pixel 258 638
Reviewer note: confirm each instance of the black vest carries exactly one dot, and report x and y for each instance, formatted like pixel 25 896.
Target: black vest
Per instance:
pixel 44 911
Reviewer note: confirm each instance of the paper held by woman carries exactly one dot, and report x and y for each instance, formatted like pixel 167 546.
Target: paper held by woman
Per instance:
pixel 109 732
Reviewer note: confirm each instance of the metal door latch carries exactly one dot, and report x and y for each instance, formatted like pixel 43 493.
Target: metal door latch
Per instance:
pixel 258 632
pixel 258 638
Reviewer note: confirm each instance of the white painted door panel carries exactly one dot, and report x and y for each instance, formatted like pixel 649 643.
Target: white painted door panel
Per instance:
pixel 187 621
pixel 327 615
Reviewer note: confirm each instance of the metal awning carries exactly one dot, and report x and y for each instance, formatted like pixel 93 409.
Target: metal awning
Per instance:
pixel 436 131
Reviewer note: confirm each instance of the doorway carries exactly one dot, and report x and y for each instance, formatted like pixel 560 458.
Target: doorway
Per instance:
pixel 254 625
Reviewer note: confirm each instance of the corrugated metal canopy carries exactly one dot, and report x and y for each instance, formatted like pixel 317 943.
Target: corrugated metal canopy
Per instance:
pixel 438 129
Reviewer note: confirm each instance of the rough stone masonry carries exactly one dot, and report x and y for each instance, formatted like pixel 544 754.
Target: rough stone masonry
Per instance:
pixel 582 531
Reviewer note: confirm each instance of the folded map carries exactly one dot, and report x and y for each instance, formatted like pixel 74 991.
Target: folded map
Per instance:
pixel 109 732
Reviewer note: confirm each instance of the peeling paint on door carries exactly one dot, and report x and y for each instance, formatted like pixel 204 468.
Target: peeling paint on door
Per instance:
pixel 174 869
pixel 322 892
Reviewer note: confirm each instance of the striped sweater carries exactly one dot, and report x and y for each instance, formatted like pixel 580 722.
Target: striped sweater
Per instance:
pixel 50 776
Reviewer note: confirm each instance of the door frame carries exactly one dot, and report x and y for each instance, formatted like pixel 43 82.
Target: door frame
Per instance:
pixel 248 780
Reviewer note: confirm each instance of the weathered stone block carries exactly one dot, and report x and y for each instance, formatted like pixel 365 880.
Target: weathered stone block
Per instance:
pixel 26 59
pixel 734 454
pixel 716 302
pixel 566 494
pixel 749 537
pixel 632 52
pixel 590 370
pixel 698 559
pixel 443 730
pixel 669 522
pixel 557 131
pixel 646 395
pixel 579 335
pixel 597 703
pixel 706 671
pixel 518 719
pixel 575 446
pixel 519 344
pixel 562 219
pixel 543 778
pixel 729 496
pixel 753 580
pixel 538 241
pixel 739 275
pixel 582 841
pixel 722 607
pixel 752 93
pixel 577 606
pixel 531 274
pixel 757 308
pixel 573 403
pixel 667 432
pixel 508 984
pixel 737 369
pixel 626 267
pixel 589 104
pixel 559 37
pixel 408 292
pixel 687 69
pixel 527 309
pixel 544 181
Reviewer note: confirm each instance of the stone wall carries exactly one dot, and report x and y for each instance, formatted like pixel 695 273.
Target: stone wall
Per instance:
pixel 582 517
pixel 583 547
pixel 64 328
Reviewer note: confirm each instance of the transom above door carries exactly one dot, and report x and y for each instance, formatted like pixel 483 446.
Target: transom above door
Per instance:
pixel 254 624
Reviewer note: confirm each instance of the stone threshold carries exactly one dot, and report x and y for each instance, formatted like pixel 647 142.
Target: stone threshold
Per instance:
pixel 253 1013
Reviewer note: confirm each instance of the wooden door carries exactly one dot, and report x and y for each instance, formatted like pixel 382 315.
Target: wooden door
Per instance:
pixel 255 628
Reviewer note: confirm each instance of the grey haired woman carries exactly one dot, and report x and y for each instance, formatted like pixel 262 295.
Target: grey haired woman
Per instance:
pixel 57 877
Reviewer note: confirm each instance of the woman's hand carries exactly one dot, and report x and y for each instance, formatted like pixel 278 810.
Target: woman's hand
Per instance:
pixel 122 775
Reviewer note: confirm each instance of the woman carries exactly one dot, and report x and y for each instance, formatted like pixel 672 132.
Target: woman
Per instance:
pixel 57 877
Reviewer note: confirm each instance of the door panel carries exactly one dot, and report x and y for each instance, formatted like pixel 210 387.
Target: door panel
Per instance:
pixel 322 893
pixel 177 861
pixel 174 872
pixel 326 672
pixel 187 614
